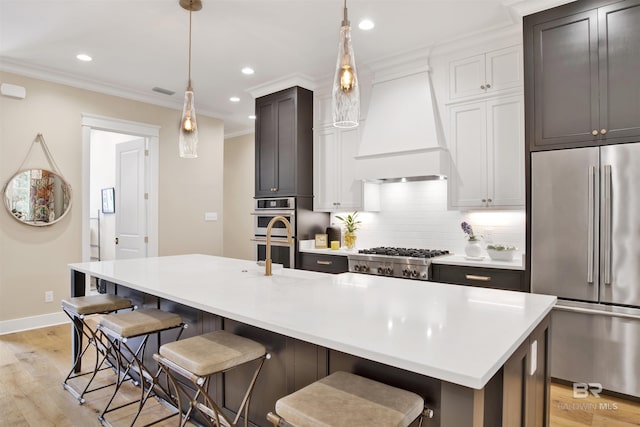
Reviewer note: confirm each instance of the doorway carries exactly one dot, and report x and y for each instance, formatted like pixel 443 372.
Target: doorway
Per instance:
pixel 113 152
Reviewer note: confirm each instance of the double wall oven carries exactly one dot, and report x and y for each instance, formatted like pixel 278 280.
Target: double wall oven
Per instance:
pixel 305 223
pixel 282 252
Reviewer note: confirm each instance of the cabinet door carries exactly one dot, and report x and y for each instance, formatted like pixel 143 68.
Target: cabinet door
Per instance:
pixel 619 64
pixel 505 152
pixel 266 148
pixel 287 156
pixel 349 188
pixel 565 74
pixel 468 180
pixel 503 69
pixel 325 170
pixel 467 77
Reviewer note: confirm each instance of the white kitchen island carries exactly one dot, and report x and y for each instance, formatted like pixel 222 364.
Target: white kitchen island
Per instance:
pixel 468 351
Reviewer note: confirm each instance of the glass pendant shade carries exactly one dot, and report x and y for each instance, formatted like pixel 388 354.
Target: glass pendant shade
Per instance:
pixel 346 87
pixel 188 142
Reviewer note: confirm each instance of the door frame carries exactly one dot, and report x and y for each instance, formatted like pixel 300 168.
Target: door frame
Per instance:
pixel 151 134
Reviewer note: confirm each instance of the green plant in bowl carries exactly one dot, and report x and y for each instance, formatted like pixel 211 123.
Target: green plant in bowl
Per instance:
pixel 501 252
pixel 501 248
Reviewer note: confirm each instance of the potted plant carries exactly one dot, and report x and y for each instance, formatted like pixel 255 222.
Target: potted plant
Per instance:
pixel 473 248
pixel 351 224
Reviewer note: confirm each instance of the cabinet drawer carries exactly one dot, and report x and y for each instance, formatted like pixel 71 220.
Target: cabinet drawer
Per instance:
pixel 497 278
pixel 324 263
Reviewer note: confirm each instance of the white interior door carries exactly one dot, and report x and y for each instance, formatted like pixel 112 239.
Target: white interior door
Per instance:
pixel 131 226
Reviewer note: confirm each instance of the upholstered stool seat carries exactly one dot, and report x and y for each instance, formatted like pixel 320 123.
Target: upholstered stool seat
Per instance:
pixel 347 400
pixel 198 358
pixel 120 329
pixel 93 304
pixel 139 322
pixel 77 309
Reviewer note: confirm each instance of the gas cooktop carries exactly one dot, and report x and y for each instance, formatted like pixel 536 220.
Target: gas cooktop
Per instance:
pixel 408 252
pixel 407 263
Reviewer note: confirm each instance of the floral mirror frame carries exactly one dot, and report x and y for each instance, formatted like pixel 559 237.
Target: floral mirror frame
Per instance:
pixel 37 197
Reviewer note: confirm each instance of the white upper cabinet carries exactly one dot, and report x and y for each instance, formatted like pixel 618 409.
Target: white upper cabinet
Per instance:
pixel 335 186
pixel 489 73
pixel 487 149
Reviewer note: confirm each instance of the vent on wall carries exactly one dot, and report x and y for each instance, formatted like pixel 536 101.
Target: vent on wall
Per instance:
pixel 163 91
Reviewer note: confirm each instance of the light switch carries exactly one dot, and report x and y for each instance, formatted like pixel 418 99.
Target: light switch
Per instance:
pixel 211 216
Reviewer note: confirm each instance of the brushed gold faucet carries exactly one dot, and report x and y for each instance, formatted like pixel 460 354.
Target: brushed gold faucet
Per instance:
pixel 287 224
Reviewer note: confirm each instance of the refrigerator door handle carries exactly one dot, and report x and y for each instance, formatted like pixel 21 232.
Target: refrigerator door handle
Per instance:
pixel 607 224
pixel 591 224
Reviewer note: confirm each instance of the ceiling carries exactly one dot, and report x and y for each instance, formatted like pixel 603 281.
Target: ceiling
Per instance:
pixel 140 44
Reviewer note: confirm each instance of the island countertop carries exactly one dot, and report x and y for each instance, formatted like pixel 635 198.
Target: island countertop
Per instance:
pixel 458 334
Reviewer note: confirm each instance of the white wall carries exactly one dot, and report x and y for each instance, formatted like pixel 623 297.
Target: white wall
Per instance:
pixel 239 186
pixel 414 214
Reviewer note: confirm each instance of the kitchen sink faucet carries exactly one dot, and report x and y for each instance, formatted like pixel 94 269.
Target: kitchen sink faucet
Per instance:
pixel 267 262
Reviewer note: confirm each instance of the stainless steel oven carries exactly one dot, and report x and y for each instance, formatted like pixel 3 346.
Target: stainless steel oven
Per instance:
pixel 266 209
pixel 281 252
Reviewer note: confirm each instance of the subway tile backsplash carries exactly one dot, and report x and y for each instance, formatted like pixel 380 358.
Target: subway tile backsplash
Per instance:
pixel 414 214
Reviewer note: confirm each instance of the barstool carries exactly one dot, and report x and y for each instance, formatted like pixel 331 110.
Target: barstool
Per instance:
pixel 199 358
pixel 120 329
pixel 347 400
pixel 77 309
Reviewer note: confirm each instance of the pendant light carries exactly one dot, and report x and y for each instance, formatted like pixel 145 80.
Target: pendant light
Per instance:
pixel 188 142
pixel 346 87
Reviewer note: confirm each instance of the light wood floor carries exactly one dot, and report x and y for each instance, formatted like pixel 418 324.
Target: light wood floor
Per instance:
pixel 33 363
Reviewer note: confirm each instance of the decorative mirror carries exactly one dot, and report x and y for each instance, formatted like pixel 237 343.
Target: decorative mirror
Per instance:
pixel 38 196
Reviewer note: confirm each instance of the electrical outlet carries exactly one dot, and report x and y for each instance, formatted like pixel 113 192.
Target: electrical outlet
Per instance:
pixel 48 296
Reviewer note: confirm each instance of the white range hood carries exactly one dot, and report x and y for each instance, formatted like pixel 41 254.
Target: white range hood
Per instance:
pixel 400 138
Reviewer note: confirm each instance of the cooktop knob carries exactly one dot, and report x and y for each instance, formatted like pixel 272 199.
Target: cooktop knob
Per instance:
pixel 364 268
pixel 380 270
pixel 415 273
pixel 388 271
pixel 406 273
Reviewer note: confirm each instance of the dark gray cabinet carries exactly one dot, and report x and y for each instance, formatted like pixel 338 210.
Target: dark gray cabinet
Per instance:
pixel 497 278
pixel 324 263
pixel 581 62
pixel 284 143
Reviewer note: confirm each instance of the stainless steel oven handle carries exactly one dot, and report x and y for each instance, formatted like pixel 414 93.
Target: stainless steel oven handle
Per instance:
pixel 274 241
pixel 274 213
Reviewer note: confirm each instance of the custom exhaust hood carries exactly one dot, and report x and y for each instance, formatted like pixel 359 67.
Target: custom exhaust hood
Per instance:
pixel 400 137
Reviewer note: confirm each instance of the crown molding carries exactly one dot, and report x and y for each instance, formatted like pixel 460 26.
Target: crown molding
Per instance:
pixel 296 79
pixel 56 76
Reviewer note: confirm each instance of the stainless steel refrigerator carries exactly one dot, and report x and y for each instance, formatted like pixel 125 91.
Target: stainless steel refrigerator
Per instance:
pixel 585 248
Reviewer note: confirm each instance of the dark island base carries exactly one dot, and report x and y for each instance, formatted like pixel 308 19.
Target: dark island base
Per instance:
pixel 512 397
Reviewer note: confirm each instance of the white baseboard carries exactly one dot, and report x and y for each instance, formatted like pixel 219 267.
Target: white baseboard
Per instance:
pixel 34 322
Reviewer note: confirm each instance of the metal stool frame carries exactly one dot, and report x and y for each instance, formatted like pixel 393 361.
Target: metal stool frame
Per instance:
pixel 278 421
pixel 133 361
pixel 81 327
pixel 213 414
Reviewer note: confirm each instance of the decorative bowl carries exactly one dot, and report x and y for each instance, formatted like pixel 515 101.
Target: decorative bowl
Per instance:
pixel 501 252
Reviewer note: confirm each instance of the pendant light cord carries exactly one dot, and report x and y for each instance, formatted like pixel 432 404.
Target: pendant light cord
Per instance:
pixel 345 20
pixel 190 12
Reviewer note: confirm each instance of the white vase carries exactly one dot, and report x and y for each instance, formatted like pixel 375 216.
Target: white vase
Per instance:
pixel 473 249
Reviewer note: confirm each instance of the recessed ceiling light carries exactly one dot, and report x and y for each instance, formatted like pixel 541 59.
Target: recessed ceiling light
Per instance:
pixel 247 70
pixel 84 57
pixel 234 99
pixel 366 24
pixel 252 117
